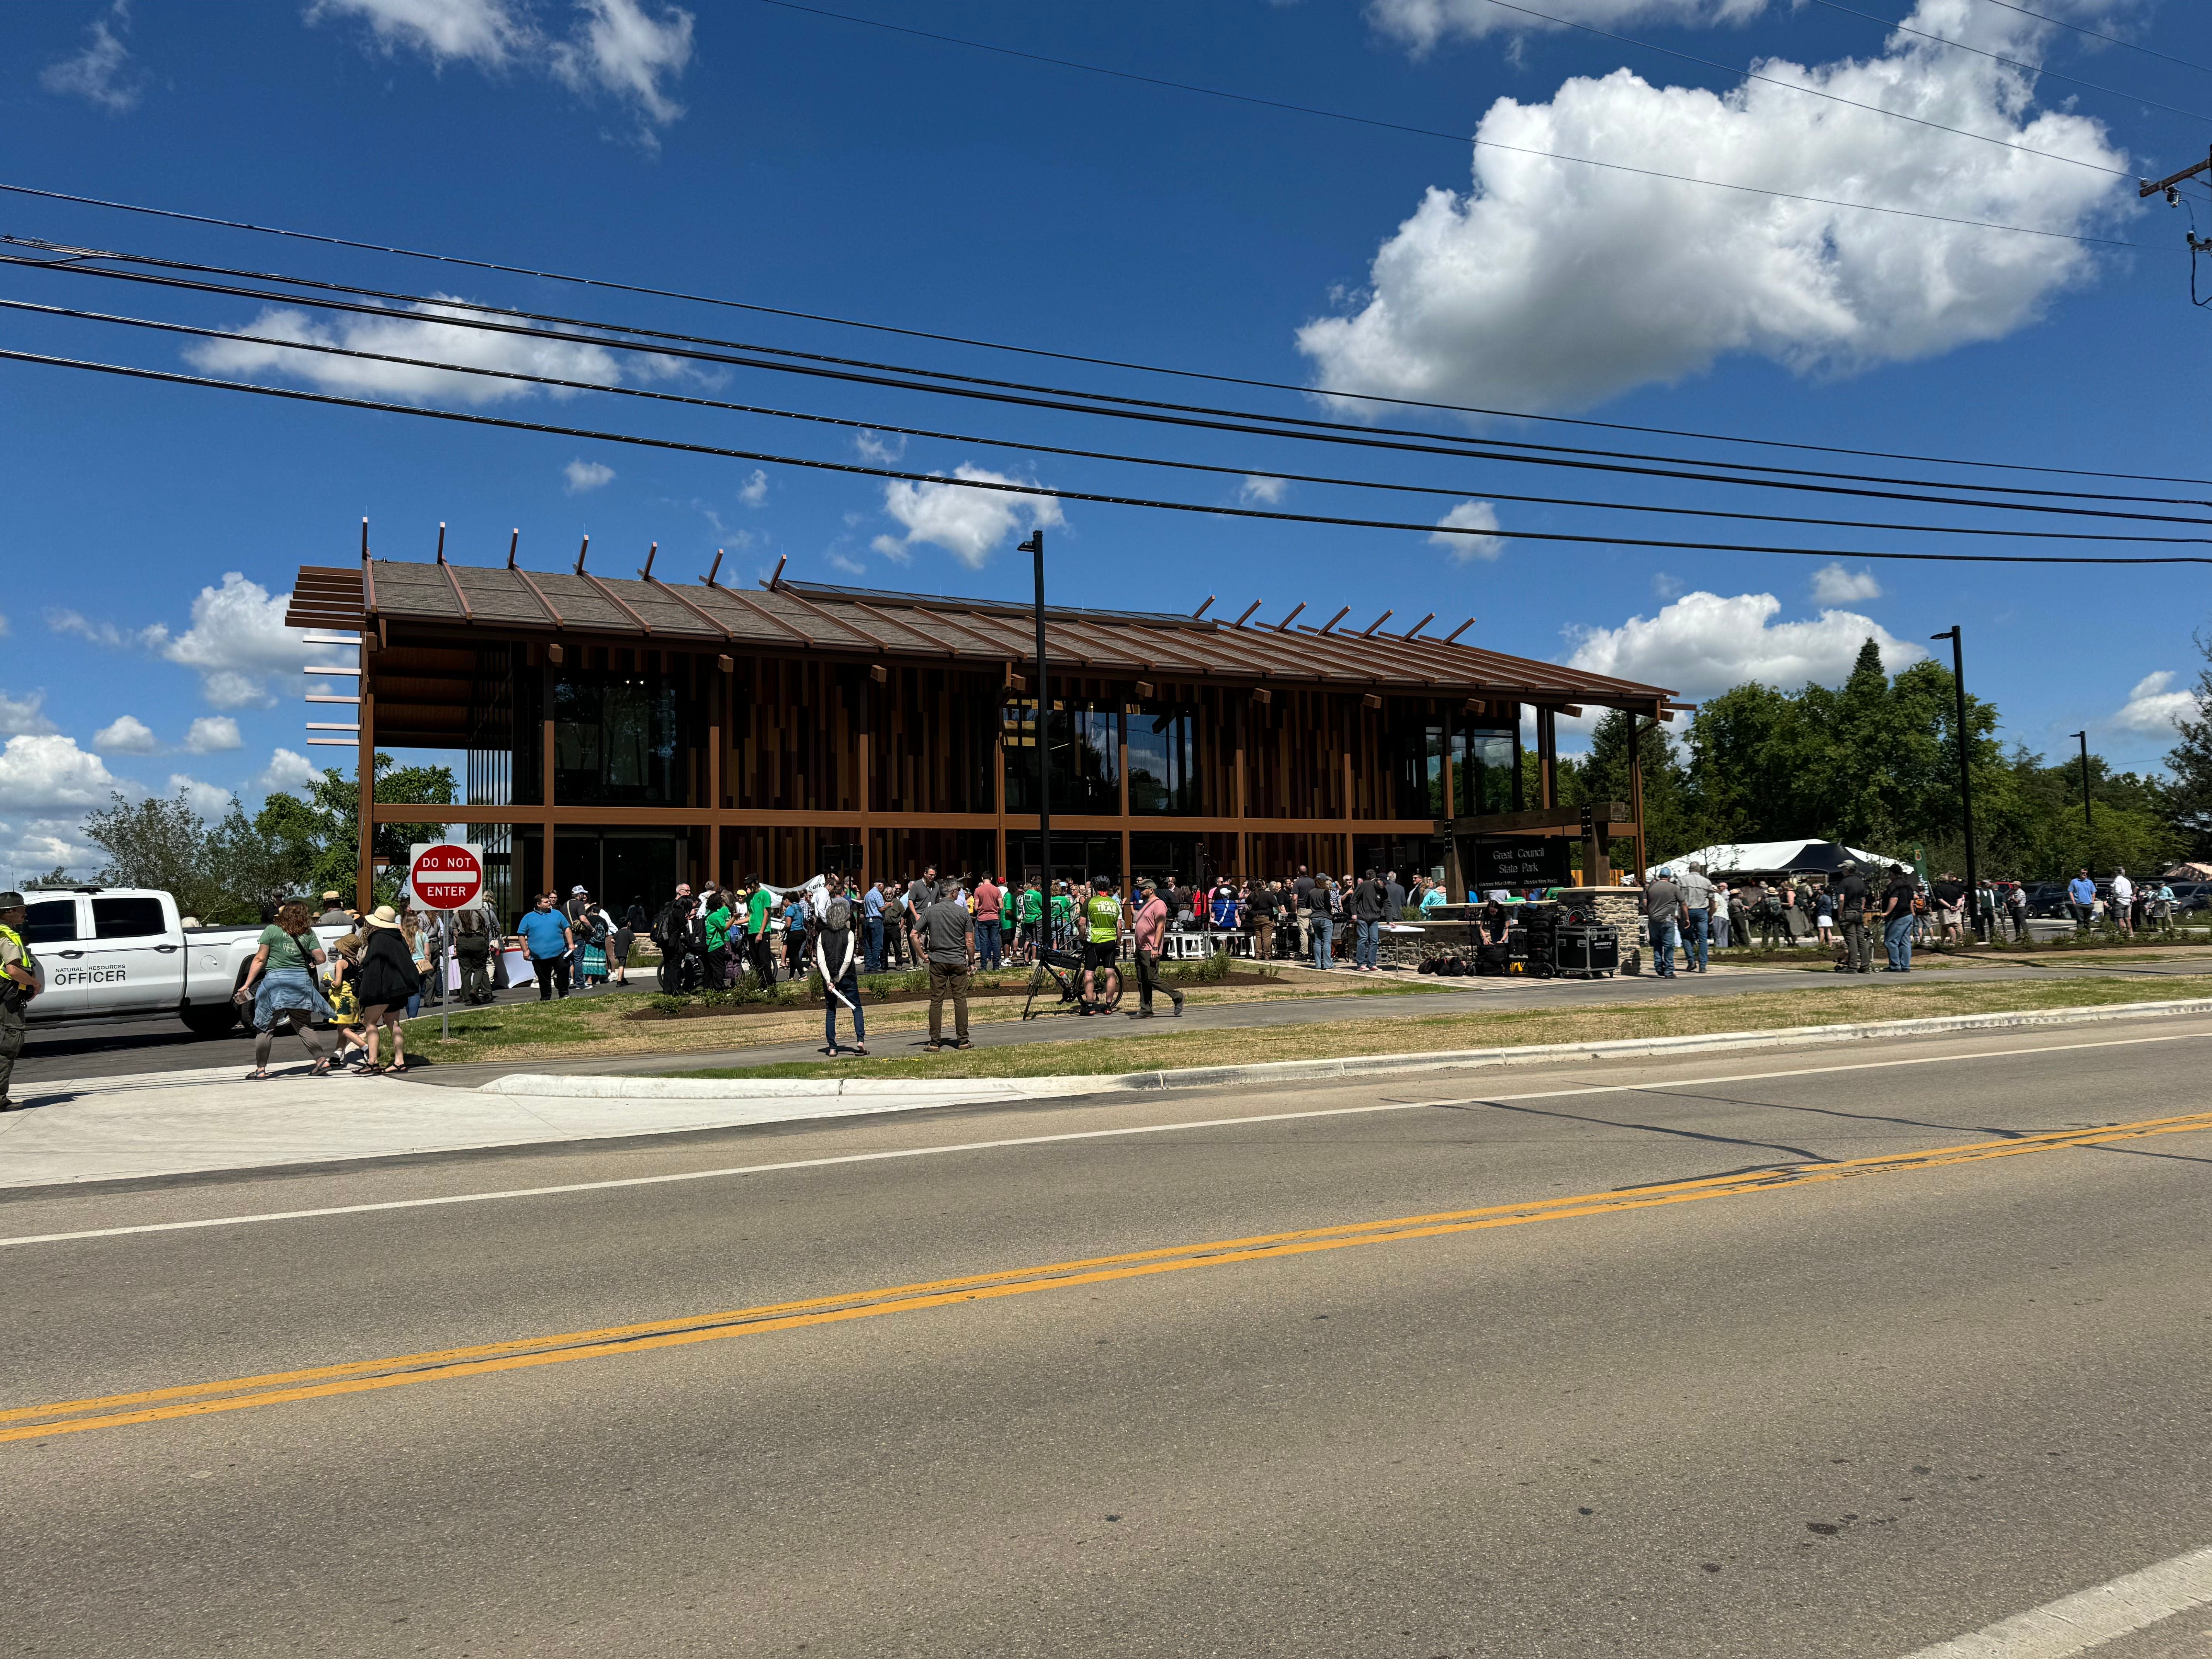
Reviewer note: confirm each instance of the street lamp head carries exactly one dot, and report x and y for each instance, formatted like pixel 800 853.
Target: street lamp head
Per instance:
pixel 1035 545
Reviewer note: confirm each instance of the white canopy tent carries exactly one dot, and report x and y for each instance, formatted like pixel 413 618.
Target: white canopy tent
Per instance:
pixel 1763 858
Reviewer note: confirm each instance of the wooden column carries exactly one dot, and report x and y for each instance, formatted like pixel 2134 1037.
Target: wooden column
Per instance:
pixel 717 700
pixel 867 776
pixel 1547 756
pixel 1121 737
pixel 1000 798
pixel 365 789
pixel 545 708
pixel 1243 714
pixel 1350 719
pixel 1636 729
pixel 1452 882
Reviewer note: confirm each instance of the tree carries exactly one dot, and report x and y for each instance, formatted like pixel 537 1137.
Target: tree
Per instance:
pixel 158 844
pixel 2189 789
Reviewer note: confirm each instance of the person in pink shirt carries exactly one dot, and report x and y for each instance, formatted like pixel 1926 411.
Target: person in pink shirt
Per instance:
pixel 990 900
pixel 1147 928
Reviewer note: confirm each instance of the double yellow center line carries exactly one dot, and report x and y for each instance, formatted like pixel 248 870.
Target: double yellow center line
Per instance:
pixel 363 1376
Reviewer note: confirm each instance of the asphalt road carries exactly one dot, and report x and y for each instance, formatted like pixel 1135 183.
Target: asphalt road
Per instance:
pixel 1785 1413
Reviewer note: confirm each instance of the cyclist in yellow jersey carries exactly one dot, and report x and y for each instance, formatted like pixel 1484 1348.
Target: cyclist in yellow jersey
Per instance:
pixel 1101 918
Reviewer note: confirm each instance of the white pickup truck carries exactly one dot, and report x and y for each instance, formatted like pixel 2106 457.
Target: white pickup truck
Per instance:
pixel 120 951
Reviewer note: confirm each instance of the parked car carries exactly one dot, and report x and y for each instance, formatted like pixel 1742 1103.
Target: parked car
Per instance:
pixel 123 951
pixel 2190 895
pixel 2048 899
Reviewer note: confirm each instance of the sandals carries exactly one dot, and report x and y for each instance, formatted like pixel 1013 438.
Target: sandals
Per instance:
pixel 259 1074
pixel 395 1069
pixel 320 1069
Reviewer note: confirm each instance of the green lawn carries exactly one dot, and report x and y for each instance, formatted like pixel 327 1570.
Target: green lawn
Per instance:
pixel 1172 1048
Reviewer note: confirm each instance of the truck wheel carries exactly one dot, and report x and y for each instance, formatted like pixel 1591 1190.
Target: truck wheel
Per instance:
pixel 211 1021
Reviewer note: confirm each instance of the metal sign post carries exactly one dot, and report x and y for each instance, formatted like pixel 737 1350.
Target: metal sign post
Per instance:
pixel 446 876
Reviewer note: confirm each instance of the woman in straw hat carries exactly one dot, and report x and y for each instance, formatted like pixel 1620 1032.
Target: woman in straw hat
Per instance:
pixel 386 978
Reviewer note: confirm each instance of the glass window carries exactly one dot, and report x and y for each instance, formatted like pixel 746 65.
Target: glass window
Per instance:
pixel 50 921
pixel 1486 772
pixel 1085 752
pixel 616 741
pixel 1164 776
pixel 125 918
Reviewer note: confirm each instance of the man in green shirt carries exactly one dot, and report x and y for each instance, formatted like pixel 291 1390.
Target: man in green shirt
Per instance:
pixel 756 909
pixel 1029 913
pixel 1102 923
pixel 1063 916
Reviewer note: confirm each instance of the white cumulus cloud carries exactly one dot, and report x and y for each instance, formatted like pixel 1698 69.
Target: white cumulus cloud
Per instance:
pixel 25 716
pixel 968 524
pixel 1257 491
pixel 33 847
pixel 416 332
pixel 101 73
pixel 236 643
pixel 587 475
pixel 2154 710
pixel 125 735
pixel 1422 23
pixel 288 769
pixel 1704 643
pixel 1478 517
pixel 213 734
pixel 1834 585
pixel 617 47
pixel 207 799
pixel 755 488
pixel 1552 285
pixel 48 773
pixel 873 447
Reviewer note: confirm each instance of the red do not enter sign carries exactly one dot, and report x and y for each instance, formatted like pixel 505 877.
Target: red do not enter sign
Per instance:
pixel 448 877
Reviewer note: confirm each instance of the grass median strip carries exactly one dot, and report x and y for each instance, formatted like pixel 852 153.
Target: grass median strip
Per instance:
pixel 1172 1050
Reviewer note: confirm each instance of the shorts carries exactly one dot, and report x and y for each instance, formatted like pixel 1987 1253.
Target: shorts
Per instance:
pixel 1101 953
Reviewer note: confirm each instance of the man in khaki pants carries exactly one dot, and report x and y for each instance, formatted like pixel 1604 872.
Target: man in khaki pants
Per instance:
pixel 946 934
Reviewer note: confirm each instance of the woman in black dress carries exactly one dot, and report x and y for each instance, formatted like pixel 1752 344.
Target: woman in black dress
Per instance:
pixel 386 979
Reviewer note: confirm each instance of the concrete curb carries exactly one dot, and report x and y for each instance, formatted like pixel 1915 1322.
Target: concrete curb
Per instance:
pixel 975 1091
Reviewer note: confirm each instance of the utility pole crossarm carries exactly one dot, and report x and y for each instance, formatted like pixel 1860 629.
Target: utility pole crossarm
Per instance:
pixel 2148 187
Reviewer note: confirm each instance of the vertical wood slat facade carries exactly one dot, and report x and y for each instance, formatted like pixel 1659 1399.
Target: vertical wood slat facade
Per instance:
pixel 794 739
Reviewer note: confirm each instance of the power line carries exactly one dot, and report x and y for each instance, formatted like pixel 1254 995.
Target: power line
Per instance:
pixel 1190 416
pixel 851 424
pixel 1430 132
pixel 2013 62
pixel 854 468
pixel 1045 397
pixel 2044 17
pixel 1067 356
pixel 1813 92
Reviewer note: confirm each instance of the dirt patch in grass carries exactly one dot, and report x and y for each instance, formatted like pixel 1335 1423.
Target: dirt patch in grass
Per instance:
pixel 1440 1033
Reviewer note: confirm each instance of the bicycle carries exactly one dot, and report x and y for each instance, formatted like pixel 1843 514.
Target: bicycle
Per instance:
pixel 1061 971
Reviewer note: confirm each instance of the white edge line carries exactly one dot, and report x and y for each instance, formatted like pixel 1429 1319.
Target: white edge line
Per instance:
pixel 2090 1617
pixel 1080 1135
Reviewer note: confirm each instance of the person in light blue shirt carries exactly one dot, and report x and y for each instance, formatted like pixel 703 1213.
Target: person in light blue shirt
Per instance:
pixel 2082 893
pixel 546 934
pixel 871 909
pixel 1433 898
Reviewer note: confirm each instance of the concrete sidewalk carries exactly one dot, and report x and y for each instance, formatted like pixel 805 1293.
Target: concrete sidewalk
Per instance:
pixel 172 1124
pixel 146 1126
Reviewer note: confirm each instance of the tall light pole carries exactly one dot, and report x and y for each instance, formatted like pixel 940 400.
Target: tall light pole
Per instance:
pixel 1035 545
pixel 2088 823
pixel 1966 773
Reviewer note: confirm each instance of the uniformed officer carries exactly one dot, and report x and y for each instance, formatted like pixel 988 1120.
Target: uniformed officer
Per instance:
pixel 19 983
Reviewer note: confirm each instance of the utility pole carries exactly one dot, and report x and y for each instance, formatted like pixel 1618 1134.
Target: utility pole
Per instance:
pixel 1966 773
pixel 1035 545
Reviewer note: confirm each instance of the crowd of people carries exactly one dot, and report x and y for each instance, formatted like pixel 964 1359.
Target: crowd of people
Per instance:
pixel 1691 913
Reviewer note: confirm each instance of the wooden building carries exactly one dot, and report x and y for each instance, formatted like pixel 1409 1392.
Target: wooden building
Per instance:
pixel 623 734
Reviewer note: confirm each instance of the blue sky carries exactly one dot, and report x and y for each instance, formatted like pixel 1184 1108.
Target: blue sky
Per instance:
pixel 768 155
